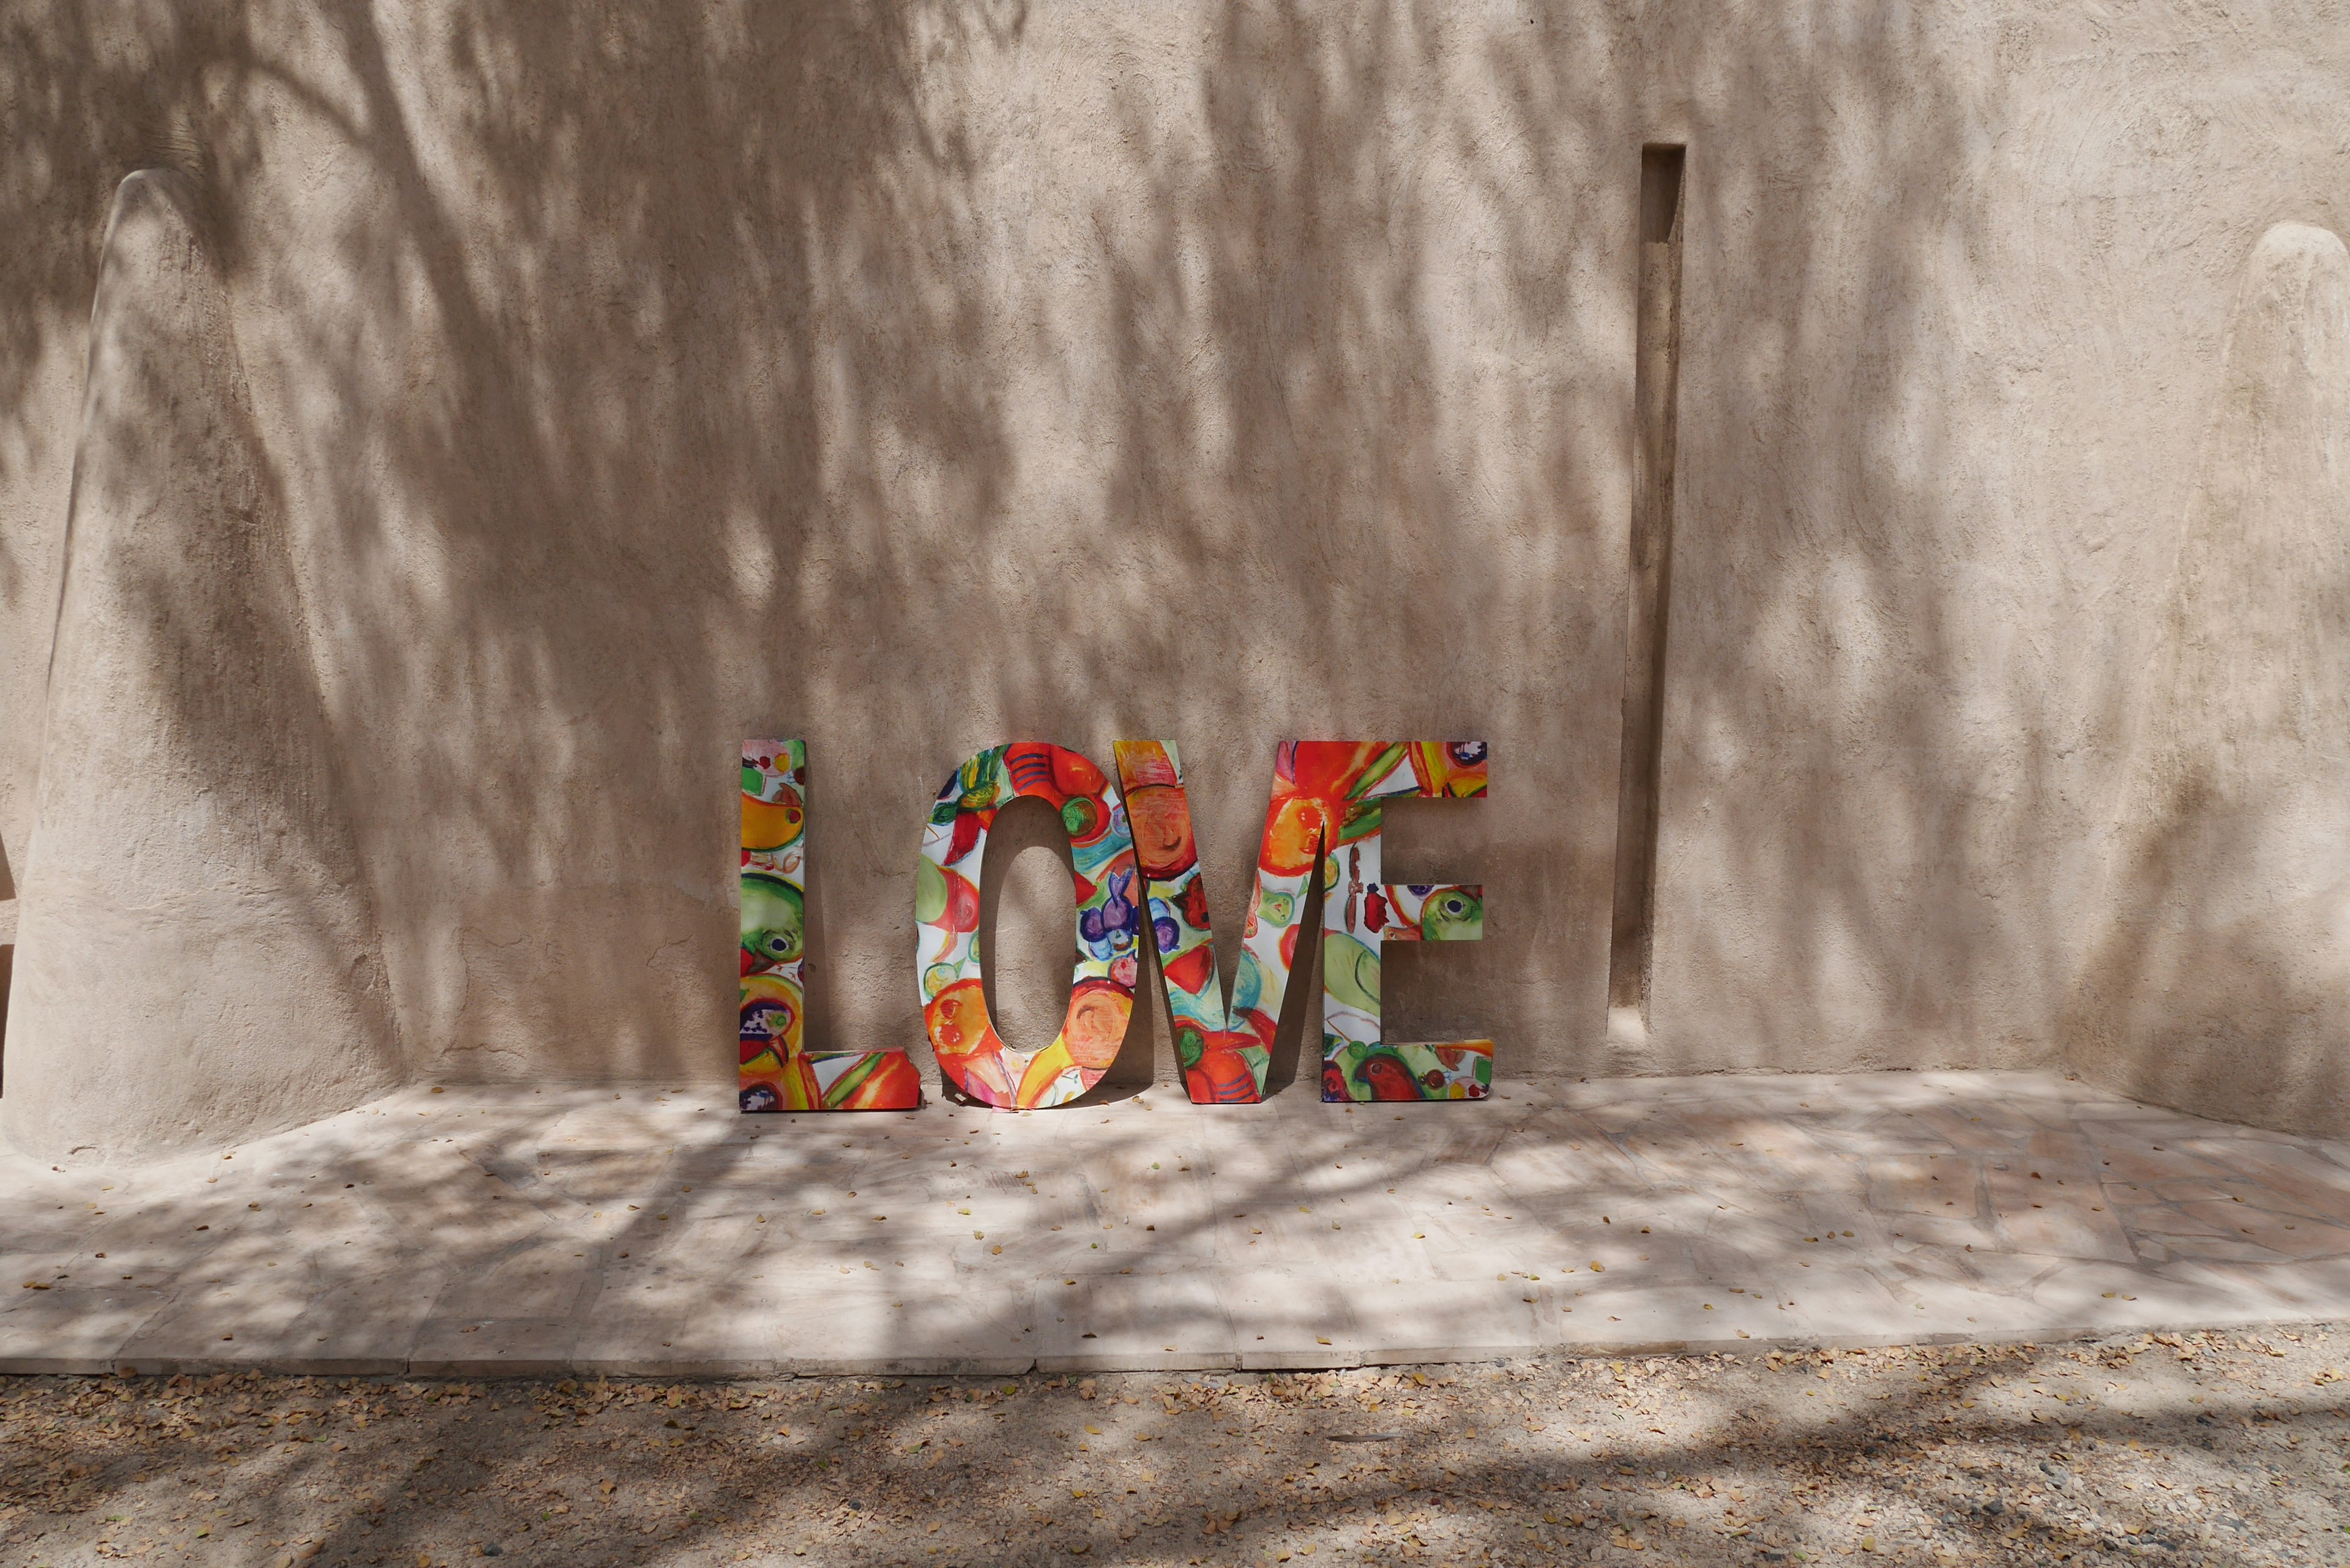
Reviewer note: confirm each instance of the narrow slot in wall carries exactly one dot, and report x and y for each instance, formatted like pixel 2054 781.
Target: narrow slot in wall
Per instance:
pixel 8 910
pixel 1648 585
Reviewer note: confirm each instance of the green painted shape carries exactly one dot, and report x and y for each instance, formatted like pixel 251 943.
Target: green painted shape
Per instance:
pixel 1350 971
pixel 772 914
pixel 1453 915
pixel 930 890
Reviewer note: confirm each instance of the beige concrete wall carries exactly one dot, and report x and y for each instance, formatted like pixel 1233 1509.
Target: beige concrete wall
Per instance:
pixel 2221 975
pixel 1951 341
pixel 196 942
pixel 917 377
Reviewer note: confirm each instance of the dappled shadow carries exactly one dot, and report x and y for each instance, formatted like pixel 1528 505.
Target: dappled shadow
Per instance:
pixel 2216 966
pixel 621 1471
pixel 640 1237
pixel 1845 780
pixel 918 378
pixel 595 1234
pixel 232 867
pixel 557 557
pixel 912 379
pixel 629 388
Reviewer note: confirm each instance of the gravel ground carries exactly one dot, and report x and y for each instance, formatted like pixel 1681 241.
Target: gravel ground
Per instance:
pixel 2219 1447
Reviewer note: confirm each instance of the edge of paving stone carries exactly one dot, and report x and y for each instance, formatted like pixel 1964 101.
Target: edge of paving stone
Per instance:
pixel 504 1366
pixel 1338 1359
pixel 1154 1361
pixel 1319 1360
pixel 727 1369
pixel 271 1366
pixel 915 1366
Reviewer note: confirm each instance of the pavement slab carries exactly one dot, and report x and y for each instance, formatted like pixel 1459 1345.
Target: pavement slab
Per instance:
pixel 464 1231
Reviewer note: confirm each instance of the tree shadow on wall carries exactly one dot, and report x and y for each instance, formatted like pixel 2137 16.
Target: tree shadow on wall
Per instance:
pixel 2215 977
pixel 1842 880
pixel 668 382
pixel 631 376
pixel 606 381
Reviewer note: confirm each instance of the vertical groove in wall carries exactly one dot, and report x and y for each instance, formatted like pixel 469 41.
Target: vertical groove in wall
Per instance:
pixel 1657 377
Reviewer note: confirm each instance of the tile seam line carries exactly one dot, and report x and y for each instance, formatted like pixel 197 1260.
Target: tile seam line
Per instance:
pixel 1431 1355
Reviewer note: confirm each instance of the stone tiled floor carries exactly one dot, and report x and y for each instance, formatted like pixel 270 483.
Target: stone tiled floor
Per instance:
pixel 484 1230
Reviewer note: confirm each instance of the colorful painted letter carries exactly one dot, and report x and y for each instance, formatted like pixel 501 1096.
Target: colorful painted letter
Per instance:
pixel 777 1072
pixel 1222 1048
pixel 1361 912
pixel 1325 811
pixel 946 908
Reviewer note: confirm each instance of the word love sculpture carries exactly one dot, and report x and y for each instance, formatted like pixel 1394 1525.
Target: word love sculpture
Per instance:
pixel 777 1072
pixel 1136 863
pixel 1324 817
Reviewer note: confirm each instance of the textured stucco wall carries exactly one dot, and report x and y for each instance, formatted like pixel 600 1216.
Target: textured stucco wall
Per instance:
pixel 194 934
pixel 916 377
pixel 2219 977
pixel 1957 287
